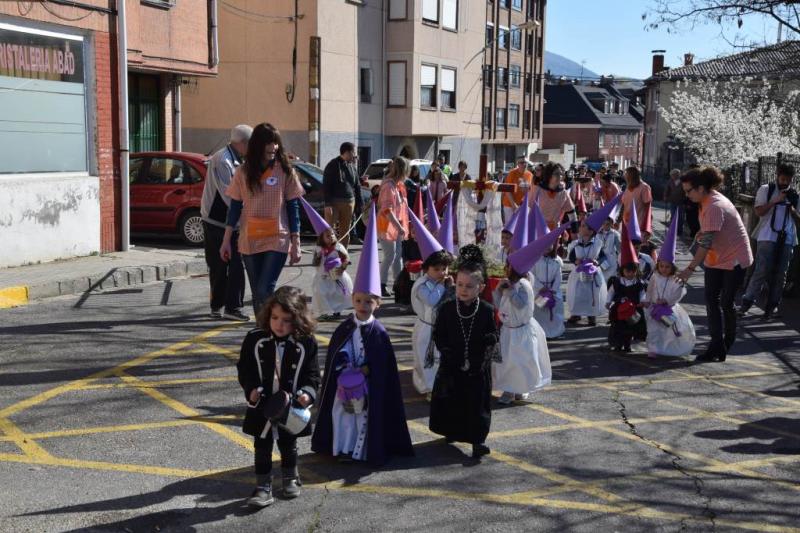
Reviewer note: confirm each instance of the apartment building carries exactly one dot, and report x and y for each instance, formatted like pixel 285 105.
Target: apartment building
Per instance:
pixel 396 77
pixel 513 80
pixel 60 183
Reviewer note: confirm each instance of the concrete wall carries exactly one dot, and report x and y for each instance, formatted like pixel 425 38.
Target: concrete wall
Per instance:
pixel 47 217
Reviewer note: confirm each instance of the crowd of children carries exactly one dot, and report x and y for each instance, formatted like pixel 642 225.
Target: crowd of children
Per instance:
pixel 463 346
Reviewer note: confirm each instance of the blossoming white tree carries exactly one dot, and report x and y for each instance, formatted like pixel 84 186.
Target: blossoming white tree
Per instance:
pixel 728 122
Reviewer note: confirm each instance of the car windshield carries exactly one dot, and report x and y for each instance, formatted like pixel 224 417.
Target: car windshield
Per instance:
pixel 312 170
pixel 375 170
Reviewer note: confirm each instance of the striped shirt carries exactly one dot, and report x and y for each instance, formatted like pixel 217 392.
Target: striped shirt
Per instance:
pixel 731 245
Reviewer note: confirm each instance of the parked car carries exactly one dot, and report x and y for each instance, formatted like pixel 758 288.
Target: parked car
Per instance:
pixel 166 188
pixel 375 171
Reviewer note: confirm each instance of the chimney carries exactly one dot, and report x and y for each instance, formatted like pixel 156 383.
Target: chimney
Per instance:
pixel 688 60
pixel 658 61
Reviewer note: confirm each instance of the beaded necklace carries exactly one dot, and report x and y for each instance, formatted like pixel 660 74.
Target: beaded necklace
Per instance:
pixel 468 333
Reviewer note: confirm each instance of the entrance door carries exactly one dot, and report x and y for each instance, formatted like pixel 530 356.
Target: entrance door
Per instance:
pixel 144 111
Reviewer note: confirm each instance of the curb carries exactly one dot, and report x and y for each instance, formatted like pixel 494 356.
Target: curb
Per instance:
pixel 120 277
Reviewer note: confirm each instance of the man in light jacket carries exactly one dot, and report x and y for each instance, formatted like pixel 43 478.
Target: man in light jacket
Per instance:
pixel 226 279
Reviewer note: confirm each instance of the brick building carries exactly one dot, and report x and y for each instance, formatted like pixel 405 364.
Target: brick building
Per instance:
pixel 60 188
pixel 598 118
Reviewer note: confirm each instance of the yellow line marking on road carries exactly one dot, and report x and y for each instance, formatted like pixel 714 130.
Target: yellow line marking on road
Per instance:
pixel 159 383
pixel 114 467
pixel 586 383
pixel 13 296
pixel 28 446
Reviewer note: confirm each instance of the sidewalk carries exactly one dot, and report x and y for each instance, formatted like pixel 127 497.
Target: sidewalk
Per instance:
pixel 19 285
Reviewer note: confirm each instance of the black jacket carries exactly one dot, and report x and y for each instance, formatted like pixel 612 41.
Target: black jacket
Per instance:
pixel 299 372
pixel 340 182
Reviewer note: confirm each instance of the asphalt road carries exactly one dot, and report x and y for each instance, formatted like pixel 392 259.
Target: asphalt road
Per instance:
pixel 120 411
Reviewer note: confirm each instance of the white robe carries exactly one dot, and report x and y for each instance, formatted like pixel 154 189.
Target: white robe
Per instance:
pixel 328 295
pixel 547 274
pixel 661 339
pixel 350 429
pixel 523 346
pixel 586 298
pixel 425 294
pixel 611 248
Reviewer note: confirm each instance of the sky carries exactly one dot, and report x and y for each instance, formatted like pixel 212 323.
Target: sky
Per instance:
pixel 610 36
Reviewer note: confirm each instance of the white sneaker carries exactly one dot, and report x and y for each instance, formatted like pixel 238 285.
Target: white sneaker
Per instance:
pixel 506 399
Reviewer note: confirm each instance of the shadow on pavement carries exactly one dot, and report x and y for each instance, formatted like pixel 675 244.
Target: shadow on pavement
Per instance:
pixel 762 430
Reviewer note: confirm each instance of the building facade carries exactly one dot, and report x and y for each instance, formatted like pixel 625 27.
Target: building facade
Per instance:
pixel 513 80
pixel 60 188
pixel 602 123
pixel 395 77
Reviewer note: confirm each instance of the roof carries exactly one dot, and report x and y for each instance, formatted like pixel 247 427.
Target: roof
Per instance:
pixel 571 104
pixel 778 60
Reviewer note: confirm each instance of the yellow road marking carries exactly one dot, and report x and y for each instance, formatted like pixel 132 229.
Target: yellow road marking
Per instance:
pixel 103 465
pixel 159 383
pixel 26 444
pixel 13 296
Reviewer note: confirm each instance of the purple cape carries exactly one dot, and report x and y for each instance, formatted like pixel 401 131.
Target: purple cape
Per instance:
pixel 387 431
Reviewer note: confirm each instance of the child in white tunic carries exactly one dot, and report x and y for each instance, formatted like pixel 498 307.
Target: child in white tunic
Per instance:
pixel 611 248
pixel 332 285
pixel 427 292
pixel 673 335
pixel 586 285
pixel 547 285
pixel 525 364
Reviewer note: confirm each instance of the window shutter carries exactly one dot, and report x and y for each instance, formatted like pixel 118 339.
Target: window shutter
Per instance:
pixel 430 10
pixel 450 14
pixel 428 75
pixel 448 79
pixel 397 84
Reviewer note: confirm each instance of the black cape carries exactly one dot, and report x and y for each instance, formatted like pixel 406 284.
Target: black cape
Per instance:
pixel 461 400
pixel 387 431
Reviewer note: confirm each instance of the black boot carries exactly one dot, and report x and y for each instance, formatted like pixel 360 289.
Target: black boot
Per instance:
pixel 745 307
pixel 291 483
pixel 479 450
pixel 385 291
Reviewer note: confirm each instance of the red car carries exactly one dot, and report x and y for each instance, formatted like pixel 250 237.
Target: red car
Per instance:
pixel 166 188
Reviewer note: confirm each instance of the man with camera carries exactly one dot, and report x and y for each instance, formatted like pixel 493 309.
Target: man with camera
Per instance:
pixel 776 233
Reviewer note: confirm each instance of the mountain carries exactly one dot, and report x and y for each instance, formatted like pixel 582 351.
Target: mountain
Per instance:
pixel 562 66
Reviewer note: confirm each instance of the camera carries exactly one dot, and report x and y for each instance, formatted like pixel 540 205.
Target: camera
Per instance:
pixel 791 196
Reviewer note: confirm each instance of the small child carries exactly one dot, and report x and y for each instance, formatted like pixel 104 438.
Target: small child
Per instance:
pixel 646 262
pixel 332 284
pixel 525 364
pixel 586 285
pixel 669 329
pixel 428 291
pixel 278 357
pixel 611 247
pixel 549 299
pixel 505 245
pixel 625 297
pixel 465 333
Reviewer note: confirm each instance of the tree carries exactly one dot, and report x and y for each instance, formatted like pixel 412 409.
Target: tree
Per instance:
pixel 728 122
pixel 723 12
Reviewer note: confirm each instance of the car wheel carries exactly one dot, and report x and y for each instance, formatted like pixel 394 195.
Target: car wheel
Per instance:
pixel 191 228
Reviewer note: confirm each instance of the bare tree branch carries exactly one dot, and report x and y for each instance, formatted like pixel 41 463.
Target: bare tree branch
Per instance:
pixel 676 12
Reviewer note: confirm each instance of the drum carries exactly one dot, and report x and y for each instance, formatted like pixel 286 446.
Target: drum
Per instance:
pixel 352 387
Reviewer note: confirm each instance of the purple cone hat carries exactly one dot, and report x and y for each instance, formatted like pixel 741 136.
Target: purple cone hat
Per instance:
pixel 317 222
pixel 532 226
pixel 633 225
pixel 523 259
pixel 667 251
pixel 512 222
pixel 520 236
pixel 427 243
pixel 445 235
pixel 433 218
pixel 368 278
pixel 596 219
pixel 541 223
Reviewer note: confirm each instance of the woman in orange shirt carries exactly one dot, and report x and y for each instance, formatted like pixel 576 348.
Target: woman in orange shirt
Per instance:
pixel 393 220
pixel 638 193
pixel 554 200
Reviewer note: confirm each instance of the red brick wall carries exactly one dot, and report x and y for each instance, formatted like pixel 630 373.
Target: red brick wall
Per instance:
pixel 107 140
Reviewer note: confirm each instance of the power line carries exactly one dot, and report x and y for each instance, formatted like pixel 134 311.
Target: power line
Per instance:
pixel 236 10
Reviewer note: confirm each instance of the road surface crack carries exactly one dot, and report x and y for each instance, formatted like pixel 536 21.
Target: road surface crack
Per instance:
pixel 675 460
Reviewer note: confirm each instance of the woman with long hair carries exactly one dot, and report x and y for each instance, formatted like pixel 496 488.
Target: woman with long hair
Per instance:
pixel 638 195
pixel 264 196
pixel 392 219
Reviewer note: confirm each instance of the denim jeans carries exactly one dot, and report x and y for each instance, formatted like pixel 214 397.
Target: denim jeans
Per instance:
pixel 720 290
pixel 263 270
pixel 392 257
pixel 769 271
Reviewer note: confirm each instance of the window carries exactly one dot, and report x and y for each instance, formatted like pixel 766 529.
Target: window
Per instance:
pixel 516 39
pixel 516 4
pixel 397 9
pixel 526 120
pixel 164 171
pixel 601 139
pixel 365 80
pixel 504 3
pixel 144 104
pixel 487 76
pixel 502 38
pixel 489 34
pixel 513 116
pixel 528 83
pixel 514 75
pixel 450 14
pixel 500 118
pixel 430 11
pixel 536 120
pixel 427 86
pixel 502 78
pixel 487 118
pixel 448 88
pixel 396 85
pixel 364 158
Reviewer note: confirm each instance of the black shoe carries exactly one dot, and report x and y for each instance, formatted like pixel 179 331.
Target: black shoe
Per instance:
pixel 592 321
pixel 236 315
pixel 261 497
pixel 448 440
pixel 710 357
pixel 215 314
pixel 479 450
pixel 344 458
pixel 573 320
pixel 745 307
pixel 626 348
pixel 291 485
pixel 385 292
